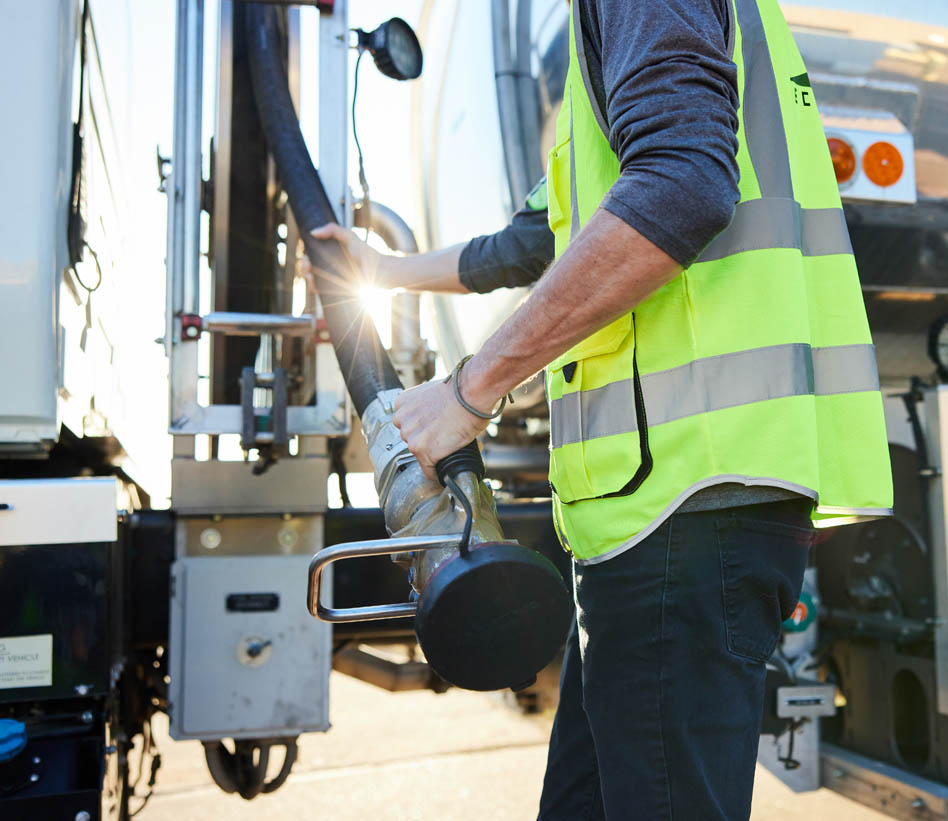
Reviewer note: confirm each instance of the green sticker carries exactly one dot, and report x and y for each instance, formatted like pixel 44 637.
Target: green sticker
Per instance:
pixel 536 199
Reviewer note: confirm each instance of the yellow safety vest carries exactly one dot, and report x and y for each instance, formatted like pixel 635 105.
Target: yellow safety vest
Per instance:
pixel 755 365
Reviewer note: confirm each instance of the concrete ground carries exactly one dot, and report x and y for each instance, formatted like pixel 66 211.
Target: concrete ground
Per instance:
pixel 416 756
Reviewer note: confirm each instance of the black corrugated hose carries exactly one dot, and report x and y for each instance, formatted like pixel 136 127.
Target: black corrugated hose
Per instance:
pixel 365 365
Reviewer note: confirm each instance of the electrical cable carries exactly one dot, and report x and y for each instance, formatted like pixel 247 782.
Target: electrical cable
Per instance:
pixel 461 497
pixel 788 761
pixel 337 464
pixel 98 268
pixel 363 181
pixel 289 758
pixel 363 361
pixel 148 743
pixel 926 471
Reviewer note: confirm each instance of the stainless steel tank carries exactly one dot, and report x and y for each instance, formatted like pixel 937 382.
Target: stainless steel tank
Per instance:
pixel 467 180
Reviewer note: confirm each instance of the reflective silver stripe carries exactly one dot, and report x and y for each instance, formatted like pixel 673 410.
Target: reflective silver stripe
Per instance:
pixel 731 29
pixel 574 226
pixel 711 384
pixel 576 14
pixel 584 415
pixel 845 369
pixel 781 223
pixel 763 120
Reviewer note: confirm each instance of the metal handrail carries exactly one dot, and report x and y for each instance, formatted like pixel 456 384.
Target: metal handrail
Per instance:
pixel 372 547
pixel 250 324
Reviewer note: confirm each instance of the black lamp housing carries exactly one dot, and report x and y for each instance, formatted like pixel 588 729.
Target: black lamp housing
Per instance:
pixel 938 346
pixel 395 49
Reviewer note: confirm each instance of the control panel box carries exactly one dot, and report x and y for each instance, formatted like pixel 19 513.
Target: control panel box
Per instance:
pixel 247 658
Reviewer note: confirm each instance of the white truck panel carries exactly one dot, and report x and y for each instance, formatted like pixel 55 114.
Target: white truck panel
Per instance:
pixel 57 511
pixel 37 60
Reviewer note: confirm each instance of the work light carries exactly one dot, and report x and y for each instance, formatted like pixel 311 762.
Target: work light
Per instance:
pixel 395 49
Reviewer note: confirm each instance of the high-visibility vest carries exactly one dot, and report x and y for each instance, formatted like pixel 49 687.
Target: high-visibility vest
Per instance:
pixel 755 365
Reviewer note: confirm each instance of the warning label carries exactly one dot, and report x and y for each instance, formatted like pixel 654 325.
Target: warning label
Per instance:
pixel 26 661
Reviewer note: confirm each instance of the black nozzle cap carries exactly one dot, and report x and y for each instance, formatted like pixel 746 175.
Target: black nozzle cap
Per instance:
pixel 493 620
pixel 467 459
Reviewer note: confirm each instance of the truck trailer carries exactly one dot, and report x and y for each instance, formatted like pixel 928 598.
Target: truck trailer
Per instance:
pixel 228 609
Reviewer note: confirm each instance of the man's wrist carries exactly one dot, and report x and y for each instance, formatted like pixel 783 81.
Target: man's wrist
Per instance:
pixel 479 386
pixel 390 270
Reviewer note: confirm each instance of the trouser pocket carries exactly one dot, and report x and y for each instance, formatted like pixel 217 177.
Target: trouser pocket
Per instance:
pixel 762 565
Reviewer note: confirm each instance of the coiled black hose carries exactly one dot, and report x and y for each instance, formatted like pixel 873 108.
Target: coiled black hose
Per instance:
pixel 365 365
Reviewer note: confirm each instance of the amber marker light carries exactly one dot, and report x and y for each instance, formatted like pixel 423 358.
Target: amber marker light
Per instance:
pixel 844 159
pixel 907 296
pixel 883 164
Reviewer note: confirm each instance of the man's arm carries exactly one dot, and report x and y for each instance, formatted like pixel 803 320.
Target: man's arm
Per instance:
pixel 431 271
pixel 662 75
pixel 512 257
pixel 567 305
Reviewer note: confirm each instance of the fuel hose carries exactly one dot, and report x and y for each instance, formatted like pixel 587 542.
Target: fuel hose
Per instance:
pixel 365 365
pixel 490 612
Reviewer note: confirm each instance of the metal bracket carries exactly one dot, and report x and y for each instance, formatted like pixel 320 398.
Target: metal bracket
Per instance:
pixel 250 437
pixel 373 547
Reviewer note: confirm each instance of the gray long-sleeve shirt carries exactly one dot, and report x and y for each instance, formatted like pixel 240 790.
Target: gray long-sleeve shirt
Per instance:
pixel 662 76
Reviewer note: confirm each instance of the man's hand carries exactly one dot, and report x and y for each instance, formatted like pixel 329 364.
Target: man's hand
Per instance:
pixel 433 423
pixel 364 260
pixel 431 271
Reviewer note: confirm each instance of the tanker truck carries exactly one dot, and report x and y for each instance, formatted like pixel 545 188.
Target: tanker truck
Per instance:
pixel 228 610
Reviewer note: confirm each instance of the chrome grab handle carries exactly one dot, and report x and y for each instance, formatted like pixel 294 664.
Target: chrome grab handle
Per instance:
pixel 372 547
pixel 233 323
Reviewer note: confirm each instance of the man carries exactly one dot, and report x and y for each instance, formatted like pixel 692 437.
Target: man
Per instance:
pixel 712 387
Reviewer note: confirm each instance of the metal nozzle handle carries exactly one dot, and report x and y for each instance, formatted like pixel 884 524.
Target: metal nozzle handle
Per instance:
pixel 373 547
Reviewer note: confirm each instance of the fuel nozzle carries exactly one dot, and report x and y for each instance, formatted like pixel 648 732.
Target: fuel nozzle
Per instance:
pixel 490 613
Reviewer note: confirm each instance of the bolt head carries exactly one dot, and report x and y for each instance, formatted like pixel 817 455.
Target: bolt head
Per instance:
pixel 87 717
pixel 83 689
pixel 288 537
pixel 211 538
pixel 37 759
pixel 82 815
pixel 34 777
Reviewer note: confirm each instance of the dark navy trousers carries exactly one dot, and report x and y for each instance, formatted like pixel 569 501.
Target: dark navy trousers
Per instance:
pixel 661 692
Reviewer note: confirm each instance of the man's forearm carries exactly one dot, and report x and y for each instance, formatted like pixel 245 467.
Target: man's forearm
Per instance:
pixel 606 271
pixel 430 271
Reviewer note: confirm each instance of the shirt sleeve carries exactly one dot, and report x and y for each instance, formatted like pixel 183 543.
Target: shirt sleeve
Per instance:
pixel 515 256
pixel 668 88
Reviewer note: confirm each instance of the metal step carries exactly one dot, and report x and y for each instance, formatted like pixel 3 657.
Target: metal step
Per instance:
pixel 887 789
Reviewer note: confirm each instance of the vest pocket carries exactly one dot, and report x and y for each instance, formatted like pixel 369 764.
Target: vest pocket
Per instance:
pixel 557 186
pixel 598 429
